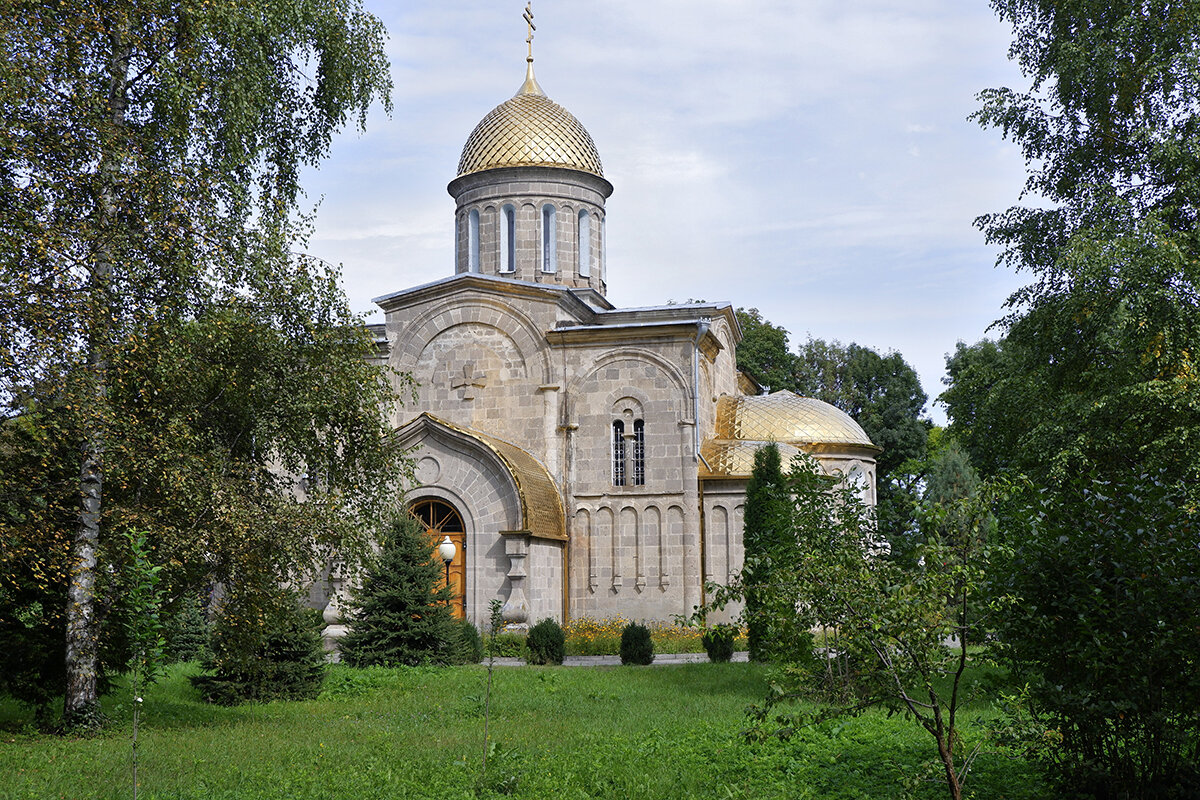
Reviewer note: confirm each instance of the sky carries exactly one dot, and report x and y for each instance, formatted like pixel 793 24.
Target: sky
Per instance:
pixel 813 160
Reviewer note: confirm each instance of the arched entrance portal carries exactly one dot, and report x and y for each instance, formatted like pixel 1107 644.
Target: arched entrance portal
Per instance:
pixel 441 520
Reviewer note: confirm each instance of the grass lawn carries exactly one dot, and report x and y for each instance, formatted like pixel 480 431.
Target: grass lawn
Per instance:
pixel 559 732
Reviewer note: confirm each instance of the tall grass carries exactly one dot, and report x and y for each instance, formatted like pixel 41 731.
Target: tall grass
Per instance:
pixel 666 732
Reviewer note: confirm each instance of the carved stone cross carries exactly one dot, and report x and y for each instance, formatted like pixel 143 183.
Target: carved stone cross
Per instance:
pixel 469 382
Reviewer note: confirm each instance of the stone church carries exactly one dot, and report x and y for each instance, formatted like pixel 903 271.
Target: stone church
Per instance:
pixel 586 460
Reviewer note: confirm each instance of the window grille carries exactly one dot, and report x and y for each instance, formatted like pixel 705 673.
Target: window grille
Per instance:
pixel 639 453
pixel 618 453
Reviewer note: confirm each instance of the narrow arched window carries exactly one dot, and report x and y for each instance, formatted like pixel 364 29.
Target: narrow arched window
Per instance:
pixel 585 243
pixel 508 239
pixel 473 240
pixel 549 239
pixel 603 251
pixel 618 453
pixel 639 452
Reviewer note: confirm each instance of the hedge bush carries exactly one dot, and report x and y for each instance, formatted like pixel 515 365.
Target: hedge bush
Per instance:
pixel 546 643
pixel 636 645
pixel 718 643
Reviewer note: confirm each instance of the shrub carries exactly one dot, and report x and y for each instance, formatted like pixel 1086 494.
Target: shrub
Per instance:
pixel 546 643
pixel 636 645
pixel 508 644
pixel 264 647
pixel 468 646
pixel 1105 634
pixel 718 642
pixel 32 669
pixel 767 544
pixel 398 618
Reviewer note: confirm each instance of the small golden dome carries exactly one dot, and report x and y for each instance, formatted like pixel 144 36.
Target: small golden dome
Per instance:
pixel 529 130
pixel 787 417
pixel 794 423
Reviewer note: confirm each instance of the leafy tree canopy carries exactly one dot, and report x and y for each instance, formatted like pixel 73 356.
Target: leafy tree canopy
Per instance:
pixel 1098 366
pixel 763 352
pixel 167 358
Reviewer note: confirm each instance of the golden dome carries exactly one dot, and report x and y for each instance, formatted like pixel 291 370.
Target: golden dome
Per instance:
pixel 529 130
pixel 787 417
pixel 794 423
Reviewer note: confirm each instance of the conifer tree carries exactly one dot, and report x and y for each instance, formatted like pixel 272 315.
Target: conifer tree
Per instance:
pixel 766 531
pixel 398 617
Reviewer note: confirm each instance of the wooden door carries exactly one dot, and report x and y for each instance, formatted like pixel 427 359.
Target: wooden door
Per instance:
pixel 441 520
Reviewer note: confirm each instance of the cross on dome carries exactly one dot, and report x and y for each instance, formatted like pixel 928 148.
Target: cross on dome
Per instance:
pixel 531 28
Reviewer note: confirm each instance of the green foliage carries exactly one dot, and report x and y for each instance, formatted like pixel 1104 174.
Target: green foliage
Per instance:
pixel 508 644
pixel 1099 353
pixel 718 642
pixel 468 645
pixel 1104 633
pixel 142 598
pixel 265 646
pixel 574 733
pixel 546 642
pixel 397 615
pixel 768 543
pixel 884 626
pixel 980 385
pixel 35 520
pixel 763 352
pixel 169 359
pixel 495 624
pixel 636 645
pixel 881 392
pixel 32 669
pixel 951 483
pixel 1099 359
pixel 186 630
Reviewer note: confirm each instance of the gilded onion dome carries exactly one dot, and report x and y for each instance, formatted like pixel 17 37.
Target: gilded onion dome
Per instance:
pixel 529 130
pixel 794 423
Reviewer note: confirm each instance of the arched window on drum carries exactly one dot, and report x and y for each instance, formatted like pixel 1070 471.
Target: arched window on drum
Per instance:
pixel 585 243
pixel 508 239
pixel 549 238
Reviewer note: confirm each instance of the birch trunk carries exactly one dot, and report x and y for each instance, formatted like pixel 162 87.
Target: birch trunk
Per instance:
pixel 81 703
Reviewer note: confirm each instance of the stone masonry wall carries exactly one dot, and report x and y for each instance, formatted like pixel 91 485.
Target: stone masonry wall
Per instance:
pixel 527 189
